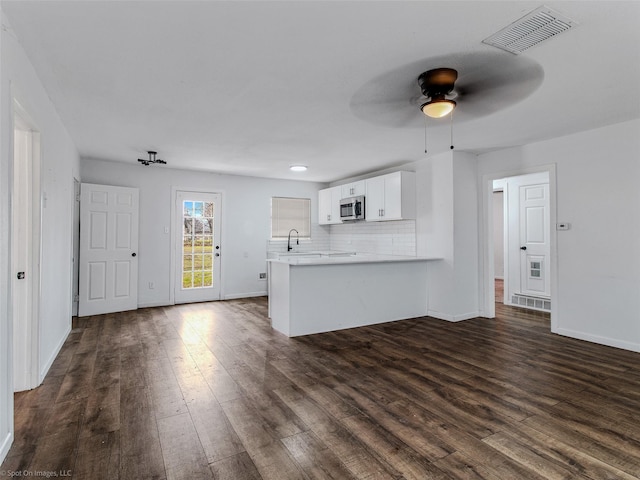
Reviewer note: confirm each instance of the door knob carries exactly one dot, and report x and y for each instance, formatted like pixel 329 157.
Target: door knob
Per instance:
pixel 133 254
pixel 523 247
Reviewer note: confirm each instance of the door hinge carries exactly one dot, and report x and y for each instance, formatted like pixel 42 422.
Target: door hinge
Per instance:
pixel 76 298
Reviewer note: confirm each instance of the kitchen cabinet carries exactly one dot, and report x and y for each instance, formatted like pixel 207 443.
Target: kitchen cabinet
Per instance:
pixel 353 189
pixel 329 205
pixel 391 197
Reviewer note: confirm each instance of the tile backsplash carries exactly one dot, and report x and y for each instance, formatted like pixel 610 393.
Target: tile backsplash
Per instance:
pixel 383 238
pixel 319 241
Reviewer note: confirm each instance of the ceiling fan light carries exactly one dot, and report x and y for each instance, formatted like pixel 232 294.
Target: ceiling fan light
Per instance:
pixel 438 108
pixel 298 168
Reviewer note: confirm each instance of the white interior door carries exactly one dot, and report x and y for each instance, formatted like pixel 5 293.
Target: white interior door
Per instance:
pixel 25 253
pixel 535 247
pixel 198 247
pixel 108 249
pixel 528 249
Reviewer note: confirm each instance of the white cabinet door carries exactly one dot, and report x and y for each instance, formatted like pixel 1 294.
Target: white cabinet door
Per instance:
pixel 353 189
pixel 324 206
pixel 108 249
pixel 374 200
pixel 329 205
pixel 391 197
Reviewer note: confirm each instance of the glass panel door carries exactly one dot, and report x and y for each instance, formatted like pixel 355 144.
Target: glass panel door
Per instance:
pixel 198 247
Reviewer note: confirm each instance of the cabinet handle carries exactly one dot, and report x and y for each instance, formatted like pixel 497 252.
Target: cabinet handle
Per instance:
pixel 328 218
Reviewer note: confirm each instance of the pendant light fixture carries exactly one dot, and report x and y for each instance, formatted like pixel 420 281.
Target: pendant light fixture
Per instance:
pixel 152 159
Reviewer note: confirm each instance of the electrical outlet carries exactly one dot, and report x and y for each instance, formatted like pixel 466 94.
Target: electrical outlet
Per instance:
pixel 262 276
pixel 151 285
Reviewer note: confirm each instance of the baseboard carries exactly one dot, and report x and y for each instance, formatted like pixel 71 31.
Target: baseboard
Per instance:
pixel 235 296
pixel 52 358
pixel 153 304
pixel 609 342
pixel 452 318
pixel 6 445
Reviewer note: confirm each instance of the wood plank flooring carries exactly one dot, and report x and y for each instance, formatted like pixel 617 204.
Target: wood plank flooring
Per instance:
pixel 210 391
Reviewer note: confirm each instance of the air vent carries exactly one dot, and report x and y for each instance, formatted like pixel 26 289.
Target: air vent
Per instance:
pixel 533 303
pixel 532 29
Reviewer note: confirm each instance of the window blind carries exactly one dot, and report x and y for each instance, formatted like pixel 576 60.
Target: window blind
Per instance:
pixel 288 213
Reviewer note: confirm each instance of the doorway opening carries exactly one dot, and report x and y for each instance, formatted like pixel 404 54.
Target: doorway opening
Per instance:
pixel 497 206
pixel 519 243
pixel 25 250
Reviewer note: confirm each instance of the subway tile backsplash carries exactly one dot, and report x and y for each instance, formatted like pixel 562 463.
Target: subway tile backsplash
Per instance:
pixel 319 242
pixel 383 238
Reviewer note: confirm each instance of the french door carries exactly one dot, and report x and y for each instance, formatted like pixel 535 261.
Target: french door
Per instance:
pixel 197 247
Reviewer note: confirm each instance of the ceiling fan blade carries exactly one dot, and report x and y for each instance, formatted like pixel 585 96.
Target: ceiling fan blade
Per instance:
pixel 487 82
pixel 390 99
pixel 493 87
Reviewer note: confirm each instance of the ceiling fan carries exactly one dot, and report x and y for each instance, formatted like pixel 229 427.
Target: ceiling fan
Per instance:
pixel 476 84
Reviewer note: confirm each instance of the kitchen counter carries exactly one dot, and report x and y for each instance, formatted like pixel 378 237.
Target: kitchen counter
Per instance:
pixel 314 292
pixel 337 258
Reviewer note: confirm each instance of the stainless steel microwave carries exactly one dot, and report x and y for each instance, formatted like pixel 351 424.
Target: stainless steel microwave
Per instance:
pixel 352 208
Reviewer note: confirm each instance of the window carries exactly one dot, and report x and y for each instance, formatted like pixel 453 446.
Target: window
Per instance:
pixel 288 213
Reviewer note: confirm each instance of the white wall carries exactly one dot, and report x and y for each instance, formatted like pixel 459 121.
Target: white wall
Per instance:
pixel 447 227
pixel 60 162
pixel 246 227
pixel 598 264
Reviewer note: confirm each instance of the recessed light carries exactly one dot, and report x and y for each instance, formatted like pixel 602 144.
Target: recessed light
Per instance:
pixel 298 168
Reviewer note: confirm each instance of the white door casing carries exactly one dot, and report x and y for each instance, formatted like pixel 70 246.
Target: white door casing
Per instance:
pixel 198 246
pixel 108 249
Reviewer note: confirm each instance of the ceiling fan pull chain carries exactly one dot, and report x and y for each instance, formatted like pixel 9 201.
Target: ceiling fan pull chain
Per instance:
pixel 425 134
pixel 451 114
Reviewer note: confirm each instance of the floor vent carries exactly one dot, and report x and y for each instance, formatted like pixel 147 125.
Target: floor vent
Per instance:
pixel 533 303
pixel 536 27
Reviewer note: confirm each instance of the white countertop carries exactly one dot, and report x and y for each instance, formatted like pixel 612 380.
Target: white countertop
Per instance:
pixel 342 258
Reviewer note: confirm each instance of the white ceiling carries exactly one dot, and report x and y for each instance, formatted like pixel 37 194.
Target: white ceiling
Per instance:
pixel 251 87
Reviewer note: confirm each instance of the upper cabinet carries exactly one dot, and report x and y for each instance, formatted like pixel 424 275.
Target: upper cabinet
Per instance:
pixel 391 197
pixel 353 189
pixel 387 197
pixel 329 205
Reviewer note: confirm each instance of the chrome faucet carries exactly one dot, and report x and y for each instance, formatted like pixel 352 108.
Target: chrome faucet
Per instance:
pixel 289 247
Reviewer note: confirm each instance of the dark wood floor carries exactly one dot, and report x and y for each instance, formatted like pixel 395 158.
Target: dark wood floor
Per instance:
pixel 210 391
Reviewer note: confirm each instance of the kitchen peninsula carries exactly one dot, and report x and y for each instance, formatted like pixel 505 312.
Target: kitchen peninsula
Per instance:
pixel 316 293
